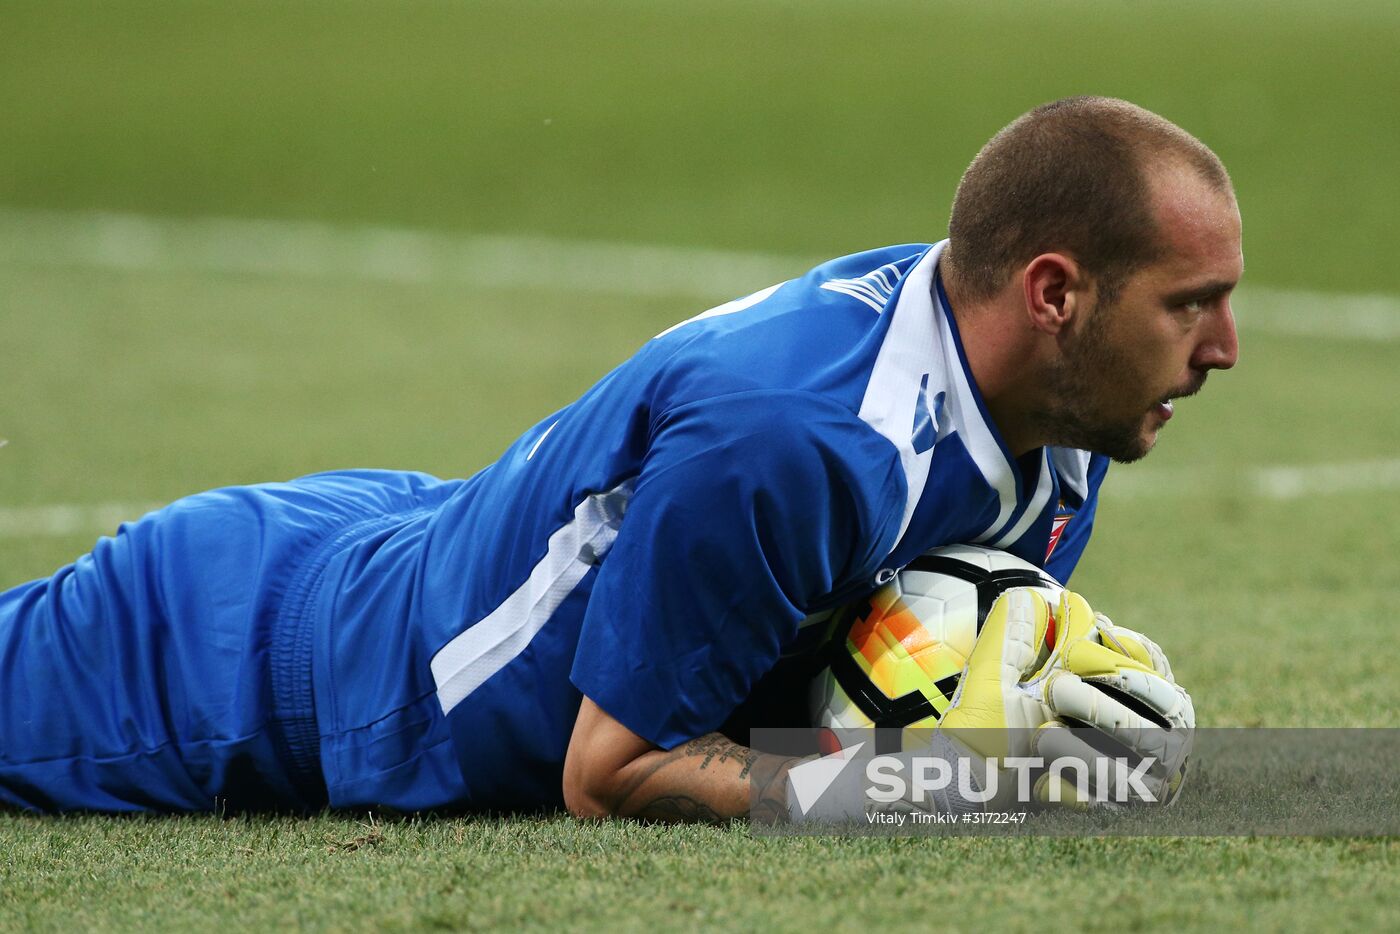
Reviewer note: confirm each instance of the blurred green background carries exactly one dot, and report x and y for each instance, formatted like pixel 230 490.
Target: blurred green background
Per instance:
pixel 146 353
pixel 806 126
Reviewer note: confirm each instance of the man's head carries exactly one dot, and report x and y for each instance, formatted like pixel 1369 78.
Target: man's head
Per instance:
pixel 1113 237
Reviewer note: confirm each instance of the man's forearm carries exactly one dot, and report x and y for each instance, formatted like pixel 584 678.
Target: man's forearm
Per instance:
pixel 707 779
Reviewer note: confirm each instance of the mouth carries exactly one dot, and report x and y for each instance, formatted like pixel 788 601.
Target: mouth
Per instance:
pixel 1164 407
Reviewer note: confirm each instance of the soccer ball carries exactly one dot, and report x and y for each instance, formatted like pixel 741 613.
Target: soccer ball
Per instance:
pixel 896 657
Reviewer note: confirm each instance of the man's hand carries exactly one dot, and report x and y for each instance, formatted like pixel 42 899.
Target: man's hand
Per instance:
pixel 1124 689
pixel 1033 671
pixel 1005 692
pixel 1003 697
pixel 1132 644
pixel 609 771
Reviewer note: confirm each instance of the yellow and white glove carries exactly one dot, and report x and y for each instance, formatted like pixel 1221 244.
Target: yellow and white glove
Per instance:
pixel 1119 683
pixel 1033 671
pixel 1000 701
pixel 1033 667
pixel 1132 644
pixel 1011 673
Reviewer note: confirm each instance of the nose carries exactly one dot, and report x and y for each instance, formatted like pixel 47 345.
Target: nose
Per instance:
pixel 1219 348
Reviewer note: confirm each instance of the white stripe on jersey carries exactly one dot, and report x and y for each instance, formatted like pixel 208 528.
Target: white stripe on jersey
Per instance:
pixel 478 652
pixel 977 436
pixel 845 287
pixel 1037 503
pixel 882 277
pixel 874 288
pixel 728 308
pixel 901 366
pixel 540 440
pixel 1072 466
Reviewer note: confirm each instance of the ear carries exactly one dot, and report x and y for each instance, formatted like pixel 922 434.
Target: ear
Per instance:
pixel 1054 287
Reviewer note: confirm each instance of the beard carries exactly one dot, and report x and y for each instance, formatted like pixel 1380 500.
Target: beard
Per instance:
pixel 1082 388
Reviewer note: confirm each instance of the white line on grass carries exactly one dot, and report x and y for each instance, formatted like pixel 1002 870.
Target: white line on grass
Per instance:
pixel 1297 482
pixel 1320 314
pixel 61 519
pixel 306 249
pixel 1271 483
pixel 1280 483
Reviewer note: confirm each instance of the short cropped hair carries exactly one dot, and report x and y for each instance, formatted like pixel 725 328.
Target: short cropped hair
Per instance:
pixel 1070 176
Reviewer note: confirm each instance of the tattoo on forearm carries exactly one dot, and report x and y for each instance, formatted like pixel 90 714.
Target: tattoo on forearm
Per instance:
pixel 765 775
pixel 714 746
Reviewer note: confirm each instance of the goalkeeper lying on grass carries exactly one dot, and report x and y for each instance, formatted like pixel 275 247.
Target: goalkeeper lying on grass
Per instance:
pixel 572 625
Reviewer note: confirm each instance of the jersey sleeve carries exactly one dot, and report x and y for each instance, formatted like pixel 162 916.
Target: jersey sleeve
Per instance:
pixel 1077 531
pixel 747 509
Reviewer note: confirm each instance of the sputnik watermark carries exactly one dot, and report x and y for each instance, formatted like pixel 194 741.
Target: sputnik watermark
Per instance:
pixel 1114 780
pixel 1075 781
pixel 927 818
pixel 944 784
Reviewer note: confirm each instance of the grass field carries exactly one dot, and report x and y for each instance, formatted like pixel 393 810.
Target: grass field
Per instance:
pixel 796 129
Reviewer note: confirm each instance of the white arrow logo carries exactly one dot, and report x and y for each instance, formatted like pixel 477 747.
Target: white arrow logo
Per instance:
pixel 811 779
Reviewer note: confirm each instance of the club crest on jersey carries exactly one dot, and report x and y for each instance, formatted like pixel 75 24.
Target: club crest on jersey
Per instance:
pixel 1057 528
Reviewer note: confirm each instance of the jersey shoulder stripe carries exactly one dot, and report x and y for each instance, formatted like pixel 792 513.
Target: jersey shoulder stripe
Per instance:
pixel 875 288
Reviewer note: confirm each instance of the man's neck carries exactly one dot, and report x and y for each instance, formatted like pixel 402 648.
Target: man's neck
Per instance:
pixel 1001 360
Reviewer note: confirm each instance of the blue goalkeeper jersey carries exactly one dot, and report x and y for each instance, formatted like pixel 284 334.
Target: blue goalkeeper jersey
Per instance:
pixel 656 544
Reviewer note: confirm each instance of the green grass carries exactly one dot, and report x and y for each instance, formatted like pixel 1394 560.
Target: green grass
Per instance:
pixel 810 128
pixel 485 873
pixel 817 126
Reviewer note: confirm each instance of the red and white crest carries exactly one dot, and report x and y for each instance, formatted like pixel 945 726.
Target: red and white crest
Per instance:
pixel 1056 530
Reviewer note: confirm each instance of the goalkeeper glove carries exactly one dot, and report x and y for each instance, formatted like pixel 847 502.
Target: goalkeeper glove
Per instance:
pixel 1120 684
pixel 1032 667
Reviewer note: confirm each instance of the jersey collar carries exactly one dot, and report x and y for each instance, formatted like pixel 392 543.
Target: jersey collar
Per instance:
pixel 922 390
pixel 980 435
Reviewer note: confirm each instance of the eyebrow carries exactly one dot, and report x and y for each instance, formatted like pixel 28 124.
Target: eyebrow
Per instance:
pixel 1200 293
